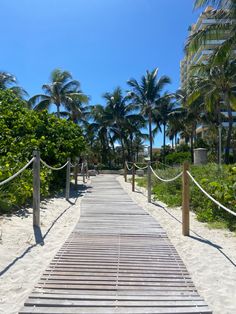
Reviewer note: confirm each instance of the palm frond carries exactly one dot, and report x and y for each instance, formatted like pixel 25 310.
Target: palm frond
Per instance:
pixel 42 105
pixel 215 3
pixel 19 91
pixel 202 36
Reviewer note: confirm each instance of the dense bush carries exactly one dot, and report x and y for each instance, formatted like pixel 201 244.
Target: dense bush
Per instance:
pixel 219 184
pixel 23 131
pixel 178 158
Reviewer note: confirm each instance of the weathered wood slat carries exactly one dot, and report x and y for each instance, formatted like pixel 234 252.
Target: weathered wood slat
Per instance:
pixel 117 297
pixel 129 303
pixel 117 260
pixel 115 310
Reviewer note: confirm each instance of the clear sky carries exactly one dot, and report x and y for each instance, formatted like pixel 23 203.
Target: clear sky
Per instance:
pixel 103 43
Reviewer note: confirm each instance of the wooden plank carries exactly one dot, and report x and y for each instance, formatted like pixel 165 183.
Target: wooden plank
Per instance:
pixel 115 310
pixel 109 303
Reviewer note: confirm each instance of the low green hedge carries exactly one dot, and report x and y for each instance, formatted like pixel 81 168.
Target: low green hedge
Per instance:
pixel 219 184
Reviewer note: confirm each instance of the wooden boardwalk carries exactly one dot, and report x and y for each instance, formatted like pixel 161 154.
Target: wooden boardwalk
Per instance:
pixel 117 260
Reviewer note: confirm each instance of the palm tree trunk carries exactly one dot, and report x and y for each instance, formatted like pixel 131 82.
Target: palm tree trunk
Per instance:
pixel 123 151
pixel 131 147
pixel 219 137
pixel 58 110
pixel 150 130
pixel 164 142
pixel 191 147
pixel 229 133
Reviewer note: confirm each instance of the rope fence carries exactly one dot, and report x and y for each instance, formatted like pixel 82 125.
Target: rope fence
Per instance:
pixel 209 196
pixel 167 180
pixel 140 168
pixel 53 168
pixel 186 176
pixel 17 173
pixel 36 161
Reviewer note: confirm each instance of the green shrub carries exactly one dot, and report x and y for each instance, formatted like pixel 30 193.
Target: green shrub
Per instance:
pixel 219 184
pixel 178 158
pixel 23 131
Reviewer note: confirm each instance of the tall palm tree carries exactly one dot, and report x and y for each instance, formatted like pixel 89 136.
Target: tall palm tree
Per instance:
pixel 61 91
pixel 124 119
pixel 189 114
pixel 100 124
pixel 216 83
pixel 6 82
pixel 226 17
pixel 77 111
pixel 164 107
pixel 145 94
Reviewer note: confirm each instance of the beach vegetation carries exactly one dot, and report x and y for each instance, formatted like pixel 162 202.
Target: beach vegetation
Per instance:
pixel 22 132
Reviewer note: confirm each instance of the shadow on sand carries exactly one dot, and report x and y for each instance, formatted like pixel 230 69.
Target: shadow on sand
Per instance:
pixel 196 236
pixel 39 237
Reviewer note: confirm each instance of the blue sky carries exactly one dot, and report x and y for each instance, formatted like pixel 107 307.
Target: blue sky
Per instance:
pixel 103 43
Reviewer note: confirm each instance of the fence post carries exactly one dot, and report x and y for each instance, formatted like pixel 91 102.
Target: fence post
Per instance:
pixel 133 178
pixel 36 189
pixel 68 179
pixel 83 172
pixel 87 171
pixel 125 172
pixel 185 200
pixel 149 182
pixel 76 172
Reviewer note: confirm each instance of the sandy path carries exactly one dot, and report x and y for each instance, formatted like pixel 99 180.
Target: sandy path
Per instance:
pixel 21 261
pixel 210 255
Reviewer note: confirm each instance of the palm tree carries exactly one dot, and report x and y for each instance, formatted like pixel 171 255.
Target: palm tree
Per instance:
pixel 174 127
pixel 77 111
pixel 145 94
pixel 61 91
pixel 226 16
pixel 216 83
pixel 100 127
pixel 161 114
pixel 6 82
pixel 189 114
pixel 124 121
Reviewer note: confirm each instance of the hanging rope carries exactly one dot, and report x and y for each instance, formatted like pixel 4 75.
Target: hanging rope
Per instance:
pixel 140 168
pixel 52 168
pixel 166 180
pixel 17 173
pixel 209 196
pixel 75 165
pixel 129 169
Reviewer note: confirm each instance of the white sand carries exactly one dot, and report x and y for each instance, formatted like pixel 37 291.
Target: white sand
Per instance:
pixel 26 260
pixel 209 255
pixel 212 272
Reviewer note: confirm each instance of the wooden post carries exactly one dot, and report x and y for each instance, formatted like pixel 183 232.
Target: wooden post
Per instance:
pixel 133 178
pixel 149 182
pixel 185 200
pixel 76 172
pixel 68 179
pixel 87 171
pixel 125 172
pixel 36 189
pixel 83 171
